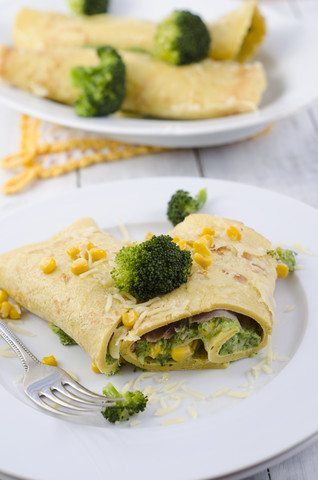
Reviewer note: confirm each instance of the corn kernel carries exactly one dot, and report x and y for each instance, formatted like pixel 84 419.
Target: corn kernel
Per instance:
pixel 129 318
pixel 90 245
pixel 79 266
pixel 95 368
pixel 15 312
pixel 176 239
pixel 3 296
pixel 200 247
pixel 97 253
pixel 155 350
pixel 190 243
pixel 51 360
pixel 201 260
pixel 282 270
pixel 183 245
pixel 48 265
pixel 233 233
pixel 207 239
pixel 5 308
pixel 73 252
pixel 207 231
pixel 179 354
pixel 148 236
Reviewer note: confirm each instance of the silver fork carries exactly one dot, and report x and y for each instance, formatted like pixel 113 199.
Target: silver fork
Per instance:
pixel 51 387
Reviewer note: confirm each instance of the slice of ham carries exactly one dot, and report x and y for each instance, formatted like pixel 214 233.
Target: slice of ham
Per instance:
pixel 167 331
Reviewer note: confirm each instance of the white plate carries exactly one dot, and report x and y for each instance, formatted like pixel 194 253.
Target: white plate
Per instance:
pixel 231 437
pixel 287 54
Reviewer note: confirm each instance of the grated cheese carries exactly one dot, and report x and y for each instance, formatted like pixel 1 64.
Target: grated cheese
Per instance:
pixel 176 396
pixel 244 385
pixel 239 394
pixel 6 351
pixel 163 403
pixel 267 369
pixel 173 421
pixel 152 399
pixel 20 330
pixel 282 358
pixel 126 387
pixel 165 410
pixel 162 378
pixel 301 248
pixel 134 423
pixel 193 412
pixel 173 387
pixel 250 376
pixel 122 227
pixel 89 272
pixel 220 392
pixel 300 267
pixel 141 377
pixel 198 395
pixel 289 308
pixel 109 302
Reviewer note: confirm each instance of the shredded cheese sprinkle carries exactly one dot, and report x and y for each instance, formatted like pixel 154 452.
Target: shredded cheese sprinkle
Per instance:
pixel 173 421
pixel 134 423
pixel 220 392
pixel 198 395
pixel 302 249
pixel 289 308
pixel 20 330
pixel 167 409
pixel 239 394
pixel 193 412
pixel 141 377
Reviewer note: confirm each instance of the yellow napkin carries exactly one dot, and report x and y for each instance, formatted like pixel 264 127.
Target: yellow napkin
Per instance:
pixel 49 150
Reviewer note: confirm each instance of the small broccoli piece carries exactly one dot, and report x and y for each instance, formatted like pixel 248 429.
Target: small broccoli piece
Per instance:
pixel 288 257
pixel 154 267
pixel 65 339
pixel 133 403
pixel 181 38
pixel 102 88
pixel 88 7
pixel 181 204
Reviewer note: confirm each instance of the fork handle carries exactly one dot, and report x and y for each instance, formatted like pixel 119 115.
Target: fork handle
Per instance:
pixel 27 358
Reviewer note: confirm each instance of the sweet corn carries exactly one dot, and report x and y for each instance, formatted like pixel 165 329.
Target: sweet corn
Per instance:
pixel 85 246
pixel 5 308
pixel 15 312
pixel 3 296
pixel 79 266
pixel 51 360
pixel 155 350
pixel 176 239
pixel 95 368
pixel 190 243
pixel 48 265
pixel 233 233
pixel 179 354
pixel 207 231
pixel 200 247
pixel 97 253
pixel 201 260
pixel 129 318
pixel 148 236
pixel 282 270
pixel 183 245
pixel 73 252
pixel 207 239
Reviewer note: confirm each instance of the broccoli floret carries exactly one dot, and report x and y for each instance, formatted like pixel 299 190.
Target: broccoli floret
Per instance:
pixel 88 7
pixel 65 339
pixel 134 403
pixel 181 38
pixel 181 204
pixel 102 88
pixel 288 257
pixel 154 267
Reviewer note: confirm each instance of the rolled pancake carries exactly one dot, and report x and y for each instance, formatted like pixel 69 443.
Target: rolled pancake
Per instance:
pixel 153 88
pixel 240 280
pixel 231 34
pixel 77 304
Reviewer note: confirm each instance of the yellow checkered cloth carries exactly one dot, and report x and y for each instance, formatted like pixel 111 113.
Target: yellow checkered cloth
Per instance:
pixel 49 150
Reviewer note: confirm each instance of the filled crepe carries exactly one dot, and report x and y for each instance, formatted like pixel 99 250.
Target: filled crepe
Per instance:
pixel 80 304
pixel 225 310
pixel 153 88
pixel 222 313
pixel 236 35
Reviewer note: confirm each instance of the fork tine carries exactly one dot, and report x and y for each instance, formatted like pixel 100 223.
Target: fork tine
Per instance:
pixel 85 401
pixel 59 402
pixel 41 403
pixel 92 395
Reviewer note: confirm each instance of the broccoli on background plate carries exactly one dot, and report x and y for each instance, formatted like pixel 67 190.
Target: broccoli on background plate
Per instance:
pixel 102 88
pixel 181 204
pixel 181 38
pixel 133 403
pixel 88 7
pixel 151 268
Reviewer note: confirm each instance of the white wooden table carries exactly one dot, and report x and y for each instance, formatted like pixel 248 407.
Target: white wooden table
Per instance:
pixel 283 160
